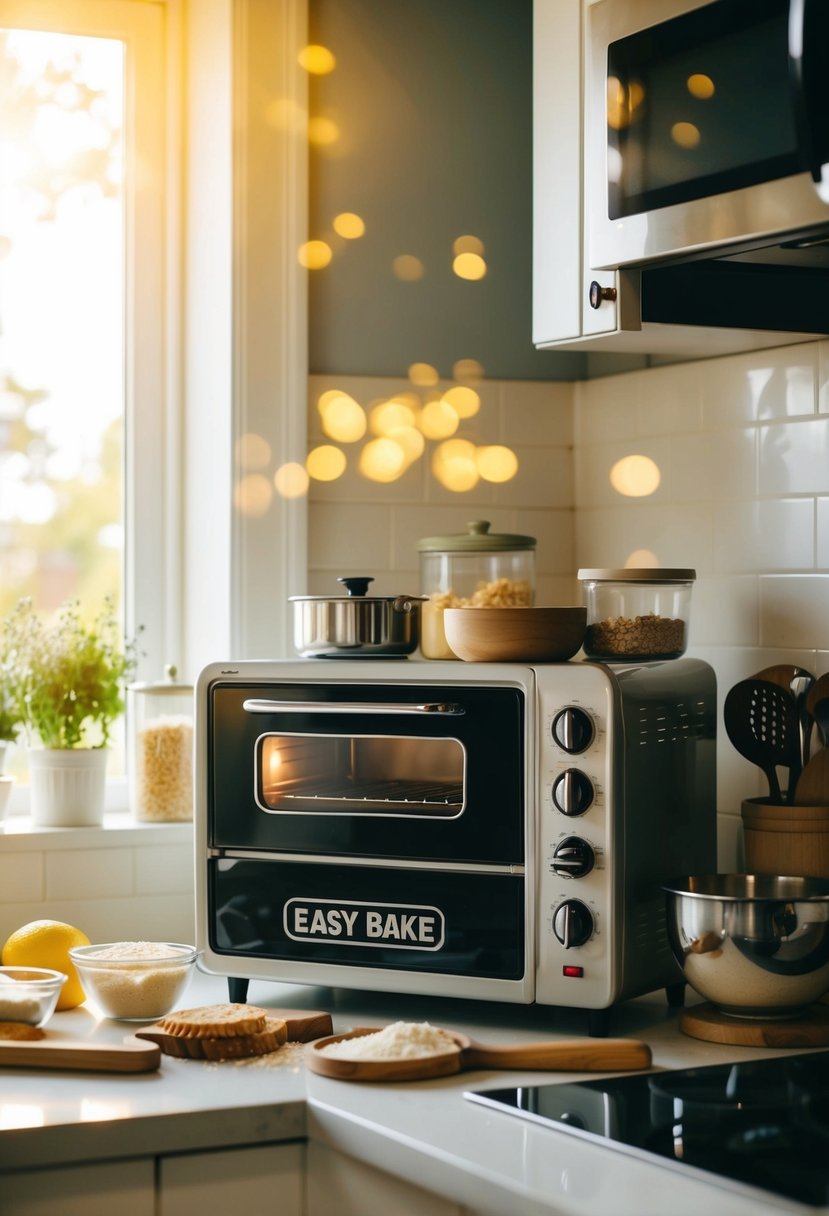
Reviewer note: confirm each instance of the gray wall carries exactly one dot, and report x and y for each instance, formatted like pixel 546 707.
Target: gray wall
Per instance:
pixel 433 99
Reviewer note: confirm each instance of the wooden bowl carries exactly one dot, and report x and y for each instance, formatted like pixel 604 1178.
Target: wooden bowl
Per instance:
pixel 522 635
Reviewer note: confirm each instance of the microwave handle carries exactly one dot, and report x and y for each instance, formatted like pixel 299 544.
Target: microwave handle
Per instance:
pixel 350 707
pixel 809 69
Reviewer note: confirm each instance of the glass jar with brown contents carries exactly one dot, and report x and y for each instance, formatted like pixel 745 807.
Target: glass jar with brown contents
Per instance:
pixel 477 569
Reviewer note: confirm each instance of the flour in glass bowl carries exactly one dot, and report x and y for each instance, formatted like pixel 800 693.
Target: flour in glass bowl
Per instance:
pixel 398 1041
pixel 136 981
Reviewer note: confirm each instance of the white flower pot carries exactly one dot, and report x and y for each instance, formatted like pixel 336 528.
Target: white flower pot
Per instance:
pixel 67 786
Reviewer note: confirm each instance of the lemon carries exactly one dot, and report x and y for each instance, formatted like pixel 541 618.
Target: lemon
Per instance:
pixel 46 943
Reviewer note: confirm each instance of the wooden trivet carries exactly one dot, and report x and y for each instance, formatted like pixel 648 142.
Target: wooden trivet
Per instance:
pixel 707 1022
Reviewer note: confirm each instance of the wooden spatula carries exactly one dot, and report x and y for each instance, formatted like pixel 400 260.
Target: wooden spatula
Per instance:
pixel 565 1055
pixel 129 1056
pixel 813 786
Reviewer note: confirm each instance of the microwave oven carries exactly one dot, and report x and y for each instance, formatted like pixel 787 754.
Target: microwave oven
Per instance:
pixel 707 132
pixel 476 830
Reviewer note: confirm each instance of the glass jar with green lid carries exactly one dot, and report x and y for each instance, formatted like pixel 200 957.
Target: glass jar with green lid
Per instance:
pixel 477 569
pixel 160 757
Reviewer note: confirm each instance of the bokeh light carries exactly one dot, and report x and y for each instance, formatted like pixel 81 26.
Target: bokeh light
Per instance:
pixel 454 465
pixel 700 86
pixel 438 419
pixel 407 268
pixel 317 60
pixel 635 476
pixel 470 266
pixel 423 375
pixel 642 559
pixel 382 460
pixel 323 131
pixel 468 371
pixel 468 244
pixel 252 495
pixel 496 463
pixel 685 134
pixel 344 419
pixel 314 255
pixel 326 463
pixel 291 480
pixel 253 452
pixel 389 415
pixel 464 400
pixel 349 225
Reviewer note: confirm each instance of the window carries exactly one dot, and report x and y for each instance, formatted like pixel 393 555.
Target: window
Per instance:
pixel 87 445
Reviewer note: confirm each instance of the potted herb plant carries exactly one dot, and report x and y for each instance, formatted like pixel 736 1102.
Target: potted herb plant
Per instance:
pixel 66 682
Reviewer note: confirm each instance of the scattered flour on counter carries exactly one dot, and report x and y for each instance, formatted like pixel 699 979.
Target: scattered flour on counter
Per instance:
pixel 399 1041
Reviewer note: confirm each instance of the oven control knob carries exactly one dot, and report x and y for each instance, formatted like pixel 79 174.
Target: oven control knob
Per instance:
pixel 572 792
pixel 572 923
pixel 573 729
pixel 573 858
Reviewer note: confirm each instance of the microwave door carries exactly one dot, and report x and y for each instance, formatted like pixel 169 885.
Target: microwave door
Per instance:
pixel 809 64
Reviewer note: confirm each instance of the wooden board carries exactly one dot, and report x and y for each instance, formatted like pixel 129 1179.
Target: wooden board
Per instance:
pixel 708 1023
pixel 296 1027
pixel 580 1055
pixel 129 1056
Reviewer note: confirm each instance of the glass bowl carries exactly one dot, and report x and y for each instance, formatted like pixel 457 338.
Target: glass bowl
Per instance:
pixel 29 994
pixel 134 981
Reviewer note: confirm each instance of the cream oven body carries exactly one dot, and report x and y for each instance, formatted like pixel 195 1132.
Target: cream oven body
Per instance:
pixel 467 830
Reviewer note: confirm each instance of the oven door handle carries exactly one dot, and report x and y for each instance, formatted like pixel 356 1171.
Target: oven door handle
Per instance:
pixel 351 707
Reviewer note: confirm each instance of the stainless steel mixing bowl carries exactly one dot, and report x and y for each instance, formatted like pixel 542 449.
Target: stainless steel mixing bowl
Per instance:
pixel 755 945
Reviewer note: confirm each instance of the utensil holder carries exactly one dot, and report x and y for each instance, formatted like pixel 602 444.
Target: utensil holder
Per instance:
pixel 786 840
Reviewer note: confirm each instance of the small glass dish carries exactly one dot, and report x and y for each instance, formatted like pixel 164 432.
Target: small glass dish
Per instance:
pixel 134 981
pixel 29 994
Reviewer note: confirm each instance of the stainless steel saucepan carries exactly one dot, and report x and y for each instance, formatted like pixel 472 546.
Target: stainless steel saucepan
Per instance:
pixel 356 625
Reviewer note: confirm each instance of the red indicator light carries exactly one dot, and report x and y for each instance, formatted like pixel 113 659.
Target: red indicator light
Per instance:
pixel 577 972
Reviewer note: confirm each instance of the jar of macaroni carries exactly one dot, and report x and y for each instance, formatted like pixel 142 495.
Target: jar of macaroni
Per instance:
pixel 476 568
pixel 160 757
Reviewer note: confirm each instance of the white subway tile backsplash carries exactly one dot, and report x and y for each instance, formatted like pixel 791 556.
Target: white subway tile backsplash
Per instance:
pixel 606 408
pixel 725 611
pixel 822 540
pixel 794 611
pixel 544 479
pixel 669 404
pixel 73 874
pixel 715 466
pixel 668 535
pixel 349 535
pixel 773 534
pixel 759 386
pixel 164 870
pixel 794 458
pixel 537 413
pixel 21 878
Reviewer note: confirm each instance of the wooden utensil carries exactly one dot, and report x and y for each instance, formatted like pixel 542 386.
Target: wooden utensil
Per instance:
pixel 566 1055
pixel 129 1056
pixel 300 1027
pixel 813 786
pixel 820 715
pixel 761 722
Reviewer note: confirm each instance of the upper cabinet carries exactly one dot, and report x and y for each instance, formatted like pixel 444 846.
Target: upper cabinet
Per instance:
pixel 660 225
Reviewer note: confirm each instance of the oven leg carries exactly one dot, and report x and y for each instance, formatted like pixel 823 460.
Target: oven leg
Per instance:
pixel 237 990
pixel 598 1023
pixel 675 994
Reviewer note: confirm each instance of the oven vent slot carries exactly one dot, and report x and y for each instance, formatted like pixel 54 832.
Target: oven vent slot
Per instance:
pixel 660 723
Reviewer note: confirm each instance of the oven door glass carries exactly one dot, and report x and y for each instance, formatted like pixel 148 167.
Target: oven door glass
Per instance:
pixel 400 771
pixel 700 105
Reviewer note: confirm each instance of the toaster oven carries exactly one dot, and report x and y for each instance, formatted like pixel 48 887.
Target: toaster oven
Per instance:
pixel 454 829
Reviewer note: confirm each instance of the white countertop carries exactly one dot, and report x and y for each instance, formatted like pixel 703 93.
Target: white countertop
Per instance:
pixel 425 1132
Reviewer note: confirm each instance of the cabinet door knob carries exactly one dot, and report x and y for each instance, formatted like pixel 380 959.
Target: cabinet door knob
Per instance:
pixel 599 293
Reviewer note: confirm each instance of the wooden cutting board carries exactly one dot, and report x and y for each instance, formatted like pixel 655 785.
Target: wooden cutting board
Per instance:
pixel 129 1056
pixel 299 1027
pixel 708 1023
pixel 574 1055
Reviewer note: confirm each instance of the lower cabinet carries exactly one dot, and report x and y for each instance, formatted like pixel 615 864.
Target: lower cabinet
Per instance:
pixel 103 1189
pixel 265 1180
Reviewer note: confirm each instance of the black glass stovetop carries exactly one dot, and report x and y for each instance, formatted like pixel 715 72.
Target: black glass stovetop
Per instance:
pixel 762 1124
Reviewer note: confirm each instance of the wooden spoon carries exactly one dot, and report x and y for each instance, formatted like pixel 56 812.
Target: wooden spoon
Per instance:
pixel 761 722
pixel 813 786
pixel 566 1055
pixel 817 693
